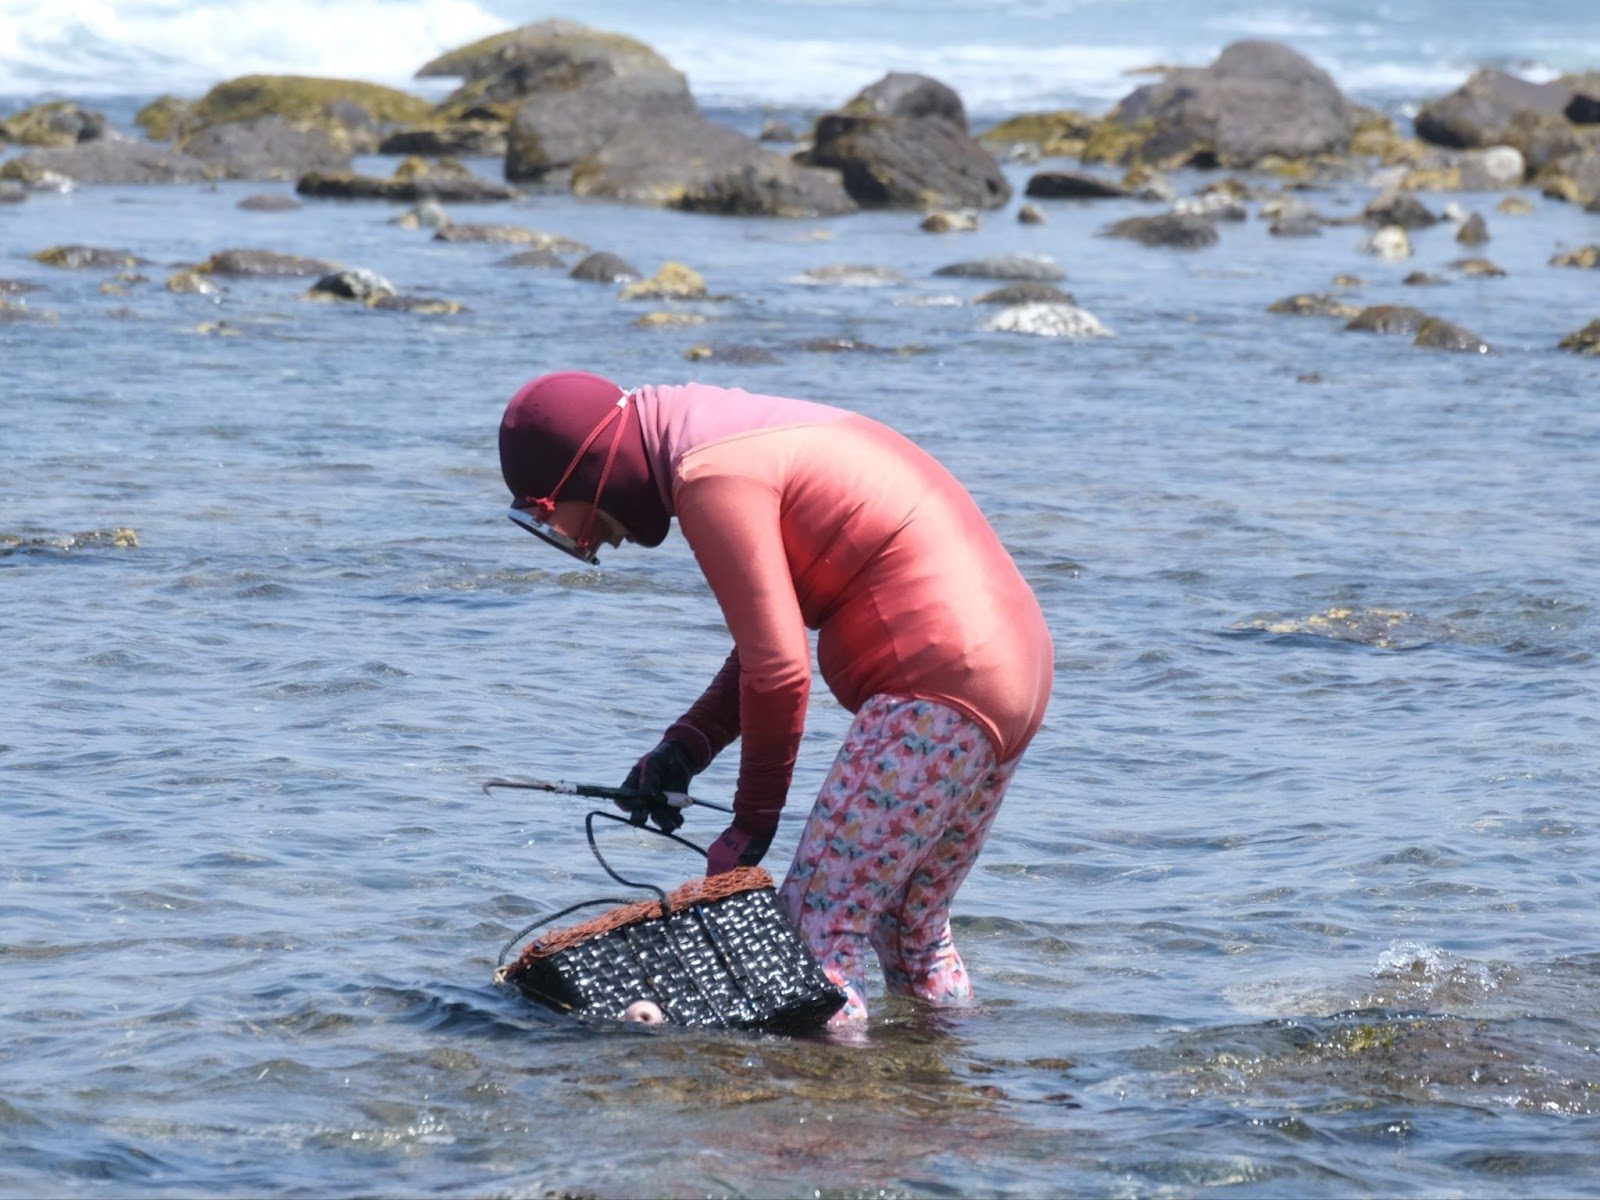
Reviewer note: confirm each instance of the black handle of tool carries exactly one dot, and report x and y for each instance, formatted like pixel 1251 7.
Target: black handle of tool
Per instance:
pixel 592 791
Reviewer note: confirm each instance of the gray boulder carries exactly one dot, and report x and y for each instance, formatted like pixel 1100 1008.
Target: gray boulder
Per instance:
pixel 109 161
pixel 354 283
pixel 1480 113
pixel 696 165
pixel 1399 208
pixel 1026 291
pixel 922 160
pixel 265 264
pixel 443 188
pixel 554 130
pixel 1257 99
pixel 267 148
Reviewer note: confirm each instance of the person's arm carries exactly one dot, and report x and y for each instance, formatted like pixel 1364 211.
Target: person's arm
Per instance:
pixel 732 525
pixel 712 722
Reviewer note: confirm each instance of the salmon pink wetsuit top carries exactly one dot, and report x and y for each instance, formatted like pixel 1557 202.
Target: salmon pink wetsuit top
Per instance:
pixel 806 516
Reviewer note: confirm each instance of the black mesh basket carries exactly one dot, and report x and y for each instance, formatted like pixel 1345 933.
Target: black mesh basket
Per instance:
pixel 717 952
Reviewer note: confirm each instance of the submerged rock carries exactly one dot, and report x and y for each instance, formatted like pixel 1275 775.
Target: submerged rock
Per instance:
pixel 264 263
pixel 422 306
pixel 18 310
pixel 1389 318
pixel 1437 334
pixel 1480 267
pixel 1178 230
pixel 1401 209
pixel 1026 291
pixel 191 282
pixel 1584 341
pixel 1385 628
pixel 353 283
pixel 1030 214
pixel 1319 304
pixel 78 258
pixel 667 320
pixel 1584 257
pixel 1389 243
pixel 601 267
pixel 118 538
pixel 542 258
pixel 507 235
pixel 949 222
pixel 268 204
pixel 903 143
pixel 737 353
pixel 1038 267
pixel 1515 206
pixel 673 281
pixel 1047 320
pixel 852 275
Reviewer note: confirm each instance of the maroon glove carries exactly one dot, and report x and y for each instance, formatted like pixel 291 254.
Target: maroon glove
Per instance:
pixel 736 848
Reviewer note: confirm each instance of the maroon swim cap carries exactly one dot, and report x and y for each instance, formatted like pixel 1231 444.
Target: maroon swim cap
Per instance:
pixel 543 432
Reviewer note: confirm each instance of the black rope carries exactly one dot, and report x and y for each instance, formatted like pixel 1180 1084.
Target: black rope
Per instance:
pixel 588 828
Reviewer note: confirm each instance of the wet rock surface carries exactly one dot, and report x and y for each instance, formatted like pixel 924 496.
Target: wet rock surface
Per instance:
pixel 1389 318
pixel 264 264
pixel 1039 268
pixel 604 267
pixel 107 161
pixel 1438 334
pixel 1180 231
pixel 1585 340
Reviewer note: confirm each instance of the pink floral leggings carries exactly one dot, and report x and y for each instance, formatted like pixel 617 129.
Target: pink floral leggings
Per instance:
pixel 897 826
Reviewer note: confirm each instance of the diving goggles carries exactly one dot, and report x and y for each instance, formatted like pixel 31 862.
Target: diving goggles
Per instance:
pixel 548 533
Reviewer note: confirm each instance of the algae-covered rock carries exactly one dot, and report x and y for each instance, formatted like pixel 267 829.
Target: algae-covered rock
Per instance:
pixel 18 310
pixel 422 306
pixel 565 46
pixel 190 282
pixel 308 98
pixel 1515 206
pixel 949 222
pixel 666 319
pixel 264 263
pixel 1474 231
pixel 1060 134
pixel 1384 628
pixel 1317 304
pixel 1584 341
pixel 1479 267
pixel 1584 257
pixel 57 123
pixel 167 118
pixel 118 538
pixel 77 258
pixel 673 281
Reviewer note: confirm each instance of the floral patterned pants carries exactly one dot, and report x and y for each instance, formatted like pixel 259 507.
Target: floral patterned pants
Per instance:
pixel 897 826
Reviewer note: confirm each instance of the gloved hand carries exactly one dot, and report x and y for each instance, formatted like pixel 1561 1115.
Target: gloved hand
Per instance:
pixel 736 848
pixel 667 768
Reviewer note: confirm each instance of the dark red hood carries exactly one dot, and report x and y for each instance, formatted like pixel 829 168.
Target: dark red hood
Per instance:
pixel 544 426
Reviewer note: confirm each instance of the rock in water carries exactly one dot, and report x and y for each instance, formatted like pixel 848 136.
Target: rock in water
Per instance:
pixel 1047 320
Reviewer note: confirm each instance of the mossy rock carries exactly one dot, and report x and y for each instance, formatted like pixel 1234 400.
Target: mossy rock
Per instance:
pixel 1432 179
pixel 1584 257
pixel 1115 143
pixel 1063 133
pixel 1585 341
pixel 674 281
pixel 566 37
pixel 305 98
pixel 54 124
pixel 166 118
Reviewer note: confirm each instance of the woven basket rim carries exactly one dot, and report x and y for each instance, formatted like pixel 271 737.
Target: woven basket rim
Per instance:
pixel 696 891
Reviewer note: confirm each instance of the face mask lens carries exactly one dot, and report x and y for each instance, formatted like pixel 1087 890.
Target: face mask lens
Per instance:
pixel 551 535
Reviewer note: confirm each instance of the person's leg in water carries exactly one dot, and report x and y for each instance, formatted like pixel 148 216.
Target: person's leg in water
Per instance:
pixel 876 845
pixel 912 937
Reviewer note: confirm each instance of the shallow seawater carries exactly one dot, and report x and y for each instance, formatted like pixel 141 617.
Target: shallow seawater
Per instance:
pixel 1294 894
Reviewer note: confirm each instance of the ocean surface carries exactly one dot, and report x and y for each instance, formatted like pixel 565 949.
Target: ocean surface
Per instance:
pixel 1296 893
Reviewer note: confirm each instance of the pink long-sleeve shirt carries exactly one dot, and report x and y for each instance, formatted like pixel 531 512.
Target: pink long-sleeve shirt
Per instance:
pixel 806 516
